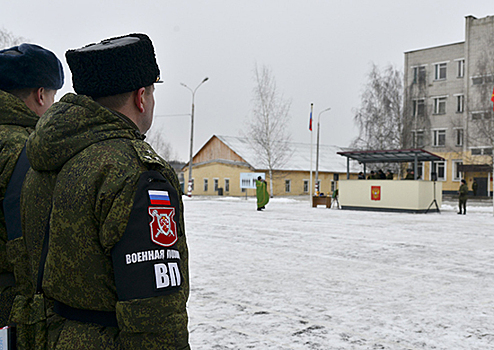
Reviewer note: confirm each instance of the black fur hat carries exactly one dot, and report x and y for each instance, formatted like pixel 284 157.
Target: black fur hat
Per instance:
pixel 29 66
pixel 113 66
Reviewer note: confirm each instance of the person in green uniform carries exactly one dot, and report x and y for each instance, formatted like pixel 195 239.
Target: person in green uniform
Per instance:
pixel 116 265
pixel 462 199
pixel 262 193
pixel 475 186
pixel 30 76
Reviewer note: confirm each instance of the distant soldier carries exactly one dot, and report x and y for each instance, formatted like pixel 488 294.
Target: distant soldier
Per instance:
pixel 117 261
pixel 462 199
pixel 475 186
pixel 389 175
pixel 262 193
pixel 29 79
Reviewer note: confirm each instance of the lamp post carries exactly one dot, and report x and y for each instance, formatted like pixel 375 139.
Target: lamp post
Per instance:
pixel 189 188
pixel 317 151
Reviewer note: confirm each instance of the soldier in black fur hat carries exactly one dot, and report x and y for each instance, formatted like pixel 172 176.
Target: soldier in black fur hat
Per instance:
pixel 117 263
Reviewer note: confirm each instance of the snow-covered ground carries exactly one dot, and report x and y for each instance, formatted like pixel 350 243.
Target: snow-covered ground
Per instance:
pixel 295 277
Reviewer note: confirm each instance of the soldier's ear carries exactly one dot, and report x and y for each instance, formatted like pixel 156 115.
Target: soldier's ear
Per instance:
pixel 139 99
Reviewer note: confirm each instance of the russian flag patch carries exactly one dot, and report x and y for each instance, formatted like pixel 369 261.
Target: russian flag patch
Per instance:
pixel 159 197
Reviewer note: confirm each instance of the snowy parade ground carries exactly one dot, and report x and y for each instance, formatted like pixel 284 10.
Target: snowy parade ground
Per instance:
pixel 296 277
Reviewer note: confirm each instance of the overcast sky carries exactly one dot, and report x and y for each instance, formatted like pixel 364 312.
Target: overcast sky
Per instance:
pixel 318 51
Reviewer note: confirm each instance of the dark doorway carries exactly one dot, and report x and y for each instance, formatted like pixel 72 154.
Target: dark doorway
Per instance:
pixel 482 188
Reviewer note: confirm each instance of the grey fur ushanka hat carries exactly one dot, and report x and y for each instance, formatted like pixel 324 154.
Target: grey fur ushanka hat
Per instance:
pixel 113 66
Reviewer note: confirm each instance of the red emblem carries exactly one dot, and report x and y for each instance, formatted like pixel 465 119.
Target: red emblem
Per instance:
pixel 376 193
pixel 163 227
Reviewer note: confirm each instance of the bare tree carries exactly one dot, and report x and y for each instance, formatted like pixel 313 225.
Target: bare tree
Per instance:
pixel 157 139
pixel 267 128
pixel 7 39
pixel 380 118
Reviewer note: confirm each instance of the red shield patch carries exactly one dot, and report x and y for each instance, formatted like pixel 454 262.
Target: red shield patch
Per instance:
pixel 376 193
pixel 163 227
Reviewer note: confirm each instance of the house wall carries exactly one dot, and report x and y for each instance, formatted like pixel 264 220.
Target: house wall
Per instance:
pixel 220 171
pixel 478 37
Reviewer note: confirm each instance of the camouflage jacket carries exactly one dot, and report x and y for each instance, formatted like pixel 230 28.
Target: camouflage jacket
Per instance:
pixel 463 191
pixel 17 121
pixel 87 162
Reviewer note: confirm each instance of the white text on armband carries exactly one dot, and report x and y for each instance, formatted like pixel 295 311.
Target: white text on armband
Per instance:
pixel 150 255
pixel 167 276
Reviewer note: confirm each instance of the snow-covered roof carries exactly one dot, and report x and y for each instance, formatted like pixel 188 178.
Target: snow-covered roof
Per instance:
pixel 329 161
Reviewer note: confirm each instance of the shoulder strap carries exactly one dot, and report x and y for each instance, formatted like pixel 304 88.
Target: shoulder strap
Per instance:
pixel 44 253
pixel 11 201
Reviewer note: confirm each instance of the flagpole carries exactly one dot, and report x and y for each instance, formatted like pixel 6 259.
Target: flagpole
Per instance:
pixel 311 141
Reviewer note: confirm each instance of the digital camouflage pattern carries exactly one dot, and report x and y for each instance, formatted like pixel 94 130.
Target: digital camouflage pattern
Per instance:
pixel 90 159
pixel 17 121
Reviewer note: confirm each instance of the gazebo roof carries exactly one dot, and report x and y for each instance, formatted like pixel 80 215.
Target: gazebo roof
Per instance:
pixel 391 156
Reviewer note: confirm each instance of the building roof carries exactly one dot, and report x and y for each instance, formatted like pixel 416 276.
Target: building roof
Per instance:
pixel 329 161
pixel 391 156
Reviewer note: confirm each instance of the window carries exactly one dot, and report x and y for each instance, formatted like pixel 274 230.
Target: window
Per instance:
pixel 215 184
pixel 478 115
pixel 481 151
pixel 438 138
pixel 205 185
pixel 456 172
pixel 227 185
pixel 458 137
pixel 440 105
pixel 440 169
pixel 420 170
pixel 461 68
pixel 333 186
pixel 417 139
pixel 288 186
pixel 419 75
pixel 482 79
pixel 440 71
pixel 418 107
pixel 460 99
pixel 306 186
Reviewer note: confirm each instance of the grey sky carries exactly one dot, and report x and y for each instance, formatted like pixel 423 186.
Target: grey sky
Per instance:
pixel 319 51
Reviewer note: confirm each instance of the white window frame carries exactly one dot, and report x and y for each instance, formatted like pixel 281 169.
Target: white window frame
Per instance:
pixel 478 115
pixel 288 186
pixel 455 174
pixel 436 133
pixel 420 170
pixel 460 103
pixel 416 73
pixel 481 151
pixel 438 101
pixel 460 65
pixel 415 107
pixel 306 186
pixel 439 68
pixel 205 185
pixel 227 185
pixel 459 136
pixel 216 184
pixel 443 165
pixel 415 139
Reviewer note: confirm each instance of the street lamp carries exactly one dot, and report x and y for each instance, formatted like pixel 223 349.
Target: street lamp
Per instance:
pixel 189 188
pixel 317 152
